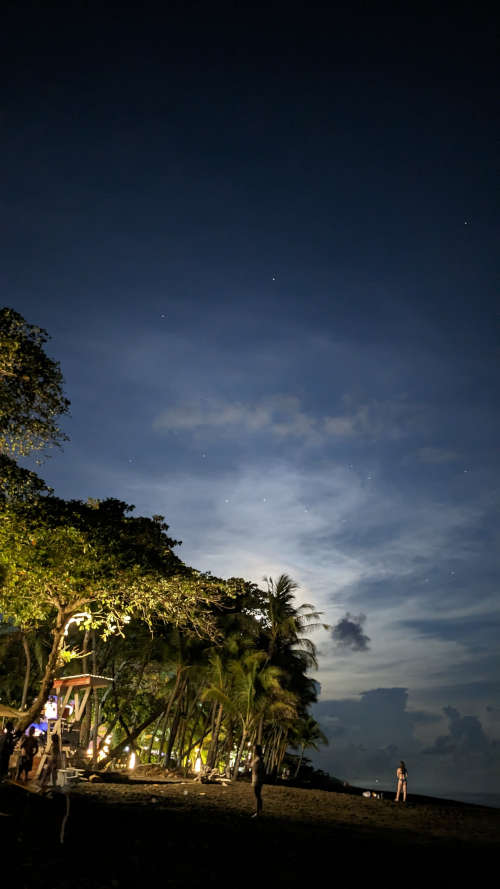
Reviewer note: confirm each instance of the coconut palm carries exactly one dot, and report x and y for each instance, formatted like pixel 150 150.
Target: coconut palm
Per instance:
pixel 285 624
pixel 306 734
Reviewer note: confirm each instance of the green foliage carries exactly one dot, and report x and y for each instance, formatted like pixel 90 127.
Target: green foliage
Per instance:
pixel 19 484
pixel 59 558
pixel 31 394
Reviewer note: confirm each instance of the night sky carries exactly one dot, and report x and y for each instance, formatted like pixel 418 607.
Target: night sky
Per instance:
pixel 263 242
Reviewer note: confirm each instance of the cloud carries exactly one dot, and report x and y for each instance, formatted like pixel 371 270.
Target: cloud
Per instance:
pixel 348 633
pixel 466 736
pixel 283 417
pixel 436 455
pixel 355 547
pixel 495 711
pixel 372 732
pixel 280 416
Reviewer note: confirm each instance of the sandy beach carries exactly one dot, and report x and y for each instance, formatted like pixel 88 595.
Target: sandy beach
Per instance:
pixel 190 834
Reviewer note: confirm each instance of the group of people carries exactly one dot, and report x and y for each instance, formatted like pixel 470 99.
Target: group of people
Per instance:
pixel 28 749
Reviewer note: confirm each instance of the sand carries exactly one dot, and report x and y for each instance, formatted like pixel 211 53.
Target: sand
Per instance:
pixel 189 834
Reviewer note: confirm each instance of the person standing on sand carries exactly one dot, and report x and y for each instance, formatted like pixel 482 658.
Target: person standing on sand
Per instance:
pixel 258 774
pixel 402 776
pixel 29 749
pixel 53 761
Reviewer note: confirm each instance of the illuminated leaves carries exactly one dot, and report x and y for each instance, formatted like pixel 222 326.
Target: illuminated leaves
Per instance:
pixel 59 558
pixel 31 395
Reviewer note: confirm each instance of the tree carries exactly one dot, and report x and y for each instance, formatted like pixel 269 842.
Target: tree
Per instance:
pixel 31 396
pixel 285 623
pixel 306 734
pixel 61 559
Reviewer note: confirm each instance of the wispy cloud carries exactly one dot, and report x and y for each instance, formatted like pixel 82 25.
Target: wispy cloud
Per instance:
pixel 436 455
pixel 281 416
pixel 284 416
pixel 350 544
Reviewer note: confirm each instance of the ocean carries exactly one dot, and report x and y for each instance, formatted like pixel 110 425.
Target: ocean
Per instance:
pixel 478 799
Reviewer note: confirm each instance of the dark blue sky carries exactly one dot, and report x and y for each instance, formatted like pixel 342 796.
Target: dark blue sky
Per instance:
pixel 264 245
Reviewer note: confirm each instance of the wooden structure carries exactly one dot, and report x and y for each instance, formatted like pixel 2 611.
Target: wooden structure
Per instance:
pixel 76 685
pixel 79 688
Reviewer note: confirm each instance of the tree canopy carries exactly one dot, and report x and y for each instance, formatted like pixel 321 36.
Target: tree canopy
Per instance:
pixel 59 559
pixel 31 393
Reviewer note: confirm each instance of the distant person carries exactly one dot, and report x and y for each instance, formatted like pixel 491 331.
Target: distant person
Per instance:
pixel 402 776
pixel 7 741
pixel 29 749
pixel 258 775
pixel 53 761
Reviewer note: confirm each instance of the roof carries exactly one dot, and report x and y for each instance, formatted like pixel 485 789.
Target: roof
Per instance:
pixel 82 680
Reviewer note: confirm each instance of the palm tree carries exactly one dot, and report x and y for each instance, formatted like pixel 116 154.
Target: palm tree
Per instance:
pixel 285 623
pixel 306 734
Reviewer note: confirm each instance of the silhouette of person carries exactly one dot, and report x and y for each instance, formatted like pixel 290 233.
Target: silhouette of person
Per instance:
pixel 258 775
pixel 53 762
pixel 402 776
pixel 29 749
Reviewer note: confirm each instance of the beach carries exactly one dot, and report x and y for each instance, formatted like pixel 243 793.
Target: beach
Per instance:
pixel 192 834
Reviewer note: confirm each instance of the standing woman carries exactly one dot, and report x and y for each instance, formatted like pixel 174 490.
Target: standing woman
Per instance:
pixel 258 775
pixel 402 776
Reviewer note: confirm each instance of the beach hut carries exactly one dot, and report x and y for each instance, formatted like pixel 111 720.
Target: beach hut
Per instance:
pixel 74 689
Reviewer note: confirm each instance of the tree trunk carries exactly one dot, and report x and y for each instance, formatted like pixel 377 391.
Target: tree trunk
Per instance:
pixel 95 695
pixel 85 723
pixel 85 659
pixel 147 722
pixel 214 743
pixel 190 744
pixel 197 743
pixel 85 726
pixel 133 735
pixel 180 746
pixel 27 672
pixel 49 674
pixel 259 730
pixel 177 693
pixel 173 733
pixel 297 770
pixel 95 732
pixel 153 736
pixel 239 753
